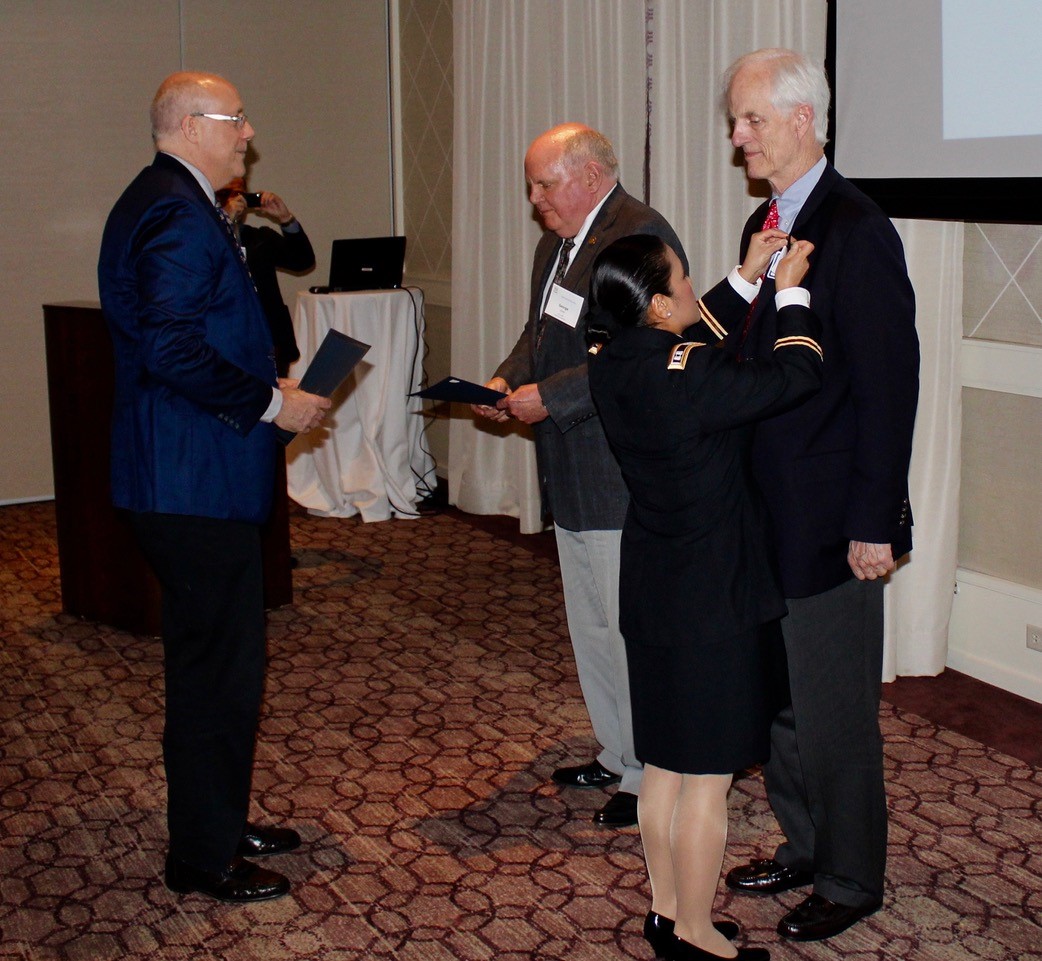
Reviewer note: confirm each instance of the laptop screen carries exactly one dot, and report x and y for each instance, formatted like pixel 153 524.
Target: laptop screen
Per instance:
pixel 367 263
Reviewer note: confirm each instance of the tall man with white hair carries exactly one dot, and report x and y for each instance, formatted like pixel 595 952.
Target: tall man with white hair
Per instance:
pixel 834 472
pixel 573 184
pixel 193 461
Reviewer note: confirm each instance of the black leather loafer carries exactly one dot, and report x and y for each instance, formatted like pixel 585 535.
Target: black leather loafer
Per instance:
pixel 593 774
pixel 766 876
pixel 241 882
pixel 658 932
pixel 816 918
pixel 258 842
pixel 619 812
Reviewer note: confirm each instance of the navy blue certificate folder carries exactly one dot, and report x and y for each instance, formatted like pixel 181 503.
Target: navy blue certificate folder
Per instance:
pixel 335 358
pixel 460 391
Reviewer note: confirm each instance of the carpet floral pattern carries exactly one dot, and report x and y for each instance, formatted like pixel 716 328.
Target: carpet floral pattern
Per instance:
pixel 420 691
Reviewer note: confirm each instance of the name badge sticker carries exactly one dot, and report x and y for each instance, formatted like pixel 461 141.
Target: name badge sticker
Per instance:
pixel 565 306
pixel 773 265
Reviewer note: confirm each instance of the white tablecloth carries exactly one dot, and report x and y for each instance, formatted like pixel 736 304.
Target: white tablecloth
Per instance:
pixel 369 455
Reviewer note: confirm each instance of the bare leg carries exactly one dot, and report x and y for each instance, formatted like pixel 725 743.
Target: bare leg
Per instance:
pixel 698 835
pixel 656 803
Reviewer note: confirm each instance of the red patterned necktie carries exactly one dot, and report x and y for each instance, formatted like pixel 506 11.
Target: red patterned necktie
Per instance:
pixel 770 222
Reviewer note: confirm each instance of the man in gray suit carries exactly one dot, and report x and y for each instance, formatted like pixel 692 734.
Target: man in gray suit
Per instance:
pixel 572 177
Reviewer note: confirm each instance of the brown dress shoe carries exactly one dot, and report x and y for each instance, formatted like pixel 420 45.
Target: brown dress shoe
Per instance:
pixel 766 876
pixel 258 842
pixel 241 882
pixel 817 918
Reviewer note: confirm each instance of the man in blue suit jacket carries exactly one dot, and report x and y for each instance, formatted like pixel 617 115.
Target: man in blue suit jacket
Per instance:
pixel 193 456
pixel 834 473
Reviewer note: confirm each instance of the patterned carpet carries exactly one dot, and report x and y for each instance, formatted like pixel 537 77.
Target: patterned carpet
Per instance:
pixel 420 691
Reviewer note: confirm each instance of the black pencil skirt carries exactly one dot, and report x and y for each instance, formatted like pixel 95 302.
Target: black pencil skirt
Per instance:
pixel 708 710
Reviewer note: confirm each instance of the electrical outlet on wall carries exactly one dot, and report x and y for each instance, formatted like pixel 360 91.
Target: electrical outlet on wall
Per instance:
pixel 1034 638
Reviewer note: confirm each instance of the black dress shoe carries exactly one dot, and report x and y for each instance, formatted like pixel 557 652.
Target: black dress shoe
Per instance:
pixel 658 932
pixel 817 918
pixel 241 882
pixel 593 774
pixel 619 812
pixel 258 842
pixel 681 950
pixel 766 876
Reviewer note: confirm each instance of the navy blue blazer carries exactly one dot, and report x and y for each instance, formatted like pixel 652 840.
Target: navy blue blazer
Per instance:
pixel 836 468
pixel 194 359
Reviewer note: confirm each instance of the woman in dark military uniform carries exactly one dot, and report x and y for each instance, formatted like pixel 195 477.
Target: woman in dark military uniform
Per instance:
pixel 699 596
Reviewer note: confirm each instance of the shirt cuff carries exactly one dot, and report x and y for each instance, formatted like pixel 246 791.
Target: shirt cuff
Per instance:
pixel 742 286
pixel 291 226
pixel 792 295
pixel 274 407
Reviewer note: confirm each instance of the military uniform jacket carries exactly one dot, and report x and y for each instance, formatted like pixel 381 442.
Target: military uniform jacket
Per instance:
pixel 697 564
pixel 579 480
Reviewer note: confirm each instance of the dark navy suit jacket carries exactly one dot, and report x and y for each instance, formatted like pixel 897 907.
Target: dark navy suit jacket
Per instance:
pixel 836 468
pixel 193 355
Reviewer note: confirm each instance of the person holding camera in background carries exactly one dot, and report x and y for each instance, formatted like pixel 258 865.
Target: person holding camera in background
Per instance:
pixel 268 250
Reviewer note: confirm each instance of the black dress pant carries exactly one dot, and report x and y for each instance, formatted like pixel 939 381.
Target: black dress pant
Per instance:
pixel 214 654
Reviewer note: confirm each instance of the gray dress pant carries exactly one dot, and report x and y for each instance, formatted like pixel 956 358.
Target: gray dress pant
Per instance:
pixel 590 575
pixel 825 775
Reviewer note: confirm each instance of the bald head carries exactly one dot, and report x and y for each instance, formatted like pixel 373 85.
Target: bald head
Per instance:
pixel 182 94
pixel 576 144
pixel 569 170
pixel 179 125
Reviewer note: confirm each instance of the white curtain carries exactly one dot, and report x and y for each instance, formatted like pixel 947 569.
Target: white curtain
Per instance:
pixel 919 596
pixel 697 181
pixel 520 67
pixel 524 65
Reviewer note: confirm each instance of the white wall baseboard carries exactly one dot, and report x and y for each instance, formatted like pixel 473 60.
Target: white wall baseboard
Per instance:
pixel 988 635
pixel 28 499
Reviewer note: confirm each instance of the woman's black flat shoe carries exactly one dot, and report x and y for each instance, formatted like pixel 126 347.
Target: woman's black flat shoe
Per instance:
pixel 658 932
pixel 683 951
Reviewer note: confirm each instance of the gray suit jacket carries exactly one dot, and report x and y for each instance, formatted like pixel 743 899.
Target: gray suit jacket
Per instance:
pixel 579 480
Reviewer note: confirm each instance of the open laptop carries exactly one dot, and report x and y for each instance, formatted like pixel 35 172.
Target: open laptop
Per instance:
pixel 367 263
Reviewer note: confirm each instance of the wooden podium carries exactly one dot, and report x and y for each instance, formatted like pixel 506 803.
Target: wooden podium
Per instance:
pixel 104 576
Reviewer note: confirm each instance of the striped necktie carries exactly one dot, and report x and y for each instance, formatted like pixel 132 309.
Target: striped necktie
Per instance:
pixel 562 268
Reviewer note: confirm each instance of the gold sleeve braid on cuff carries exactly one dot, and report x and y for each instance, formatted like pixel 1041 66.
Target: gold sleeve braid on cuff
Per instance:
pixel 799 342
pixel 710 321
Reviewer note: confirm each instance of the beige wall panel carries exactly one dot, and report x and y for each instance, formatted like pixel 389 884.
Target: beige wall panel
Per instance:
pixel 75 83
pixel 436 363
pixel 426 151
pixel 1000 529
pixel 1002 285
pixel 314 77
pixel 77 79
pixel 427 112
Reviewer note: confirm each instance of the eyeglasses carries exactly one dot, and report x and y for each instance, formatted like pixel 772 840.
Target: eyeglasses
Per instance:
pixel 239 119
